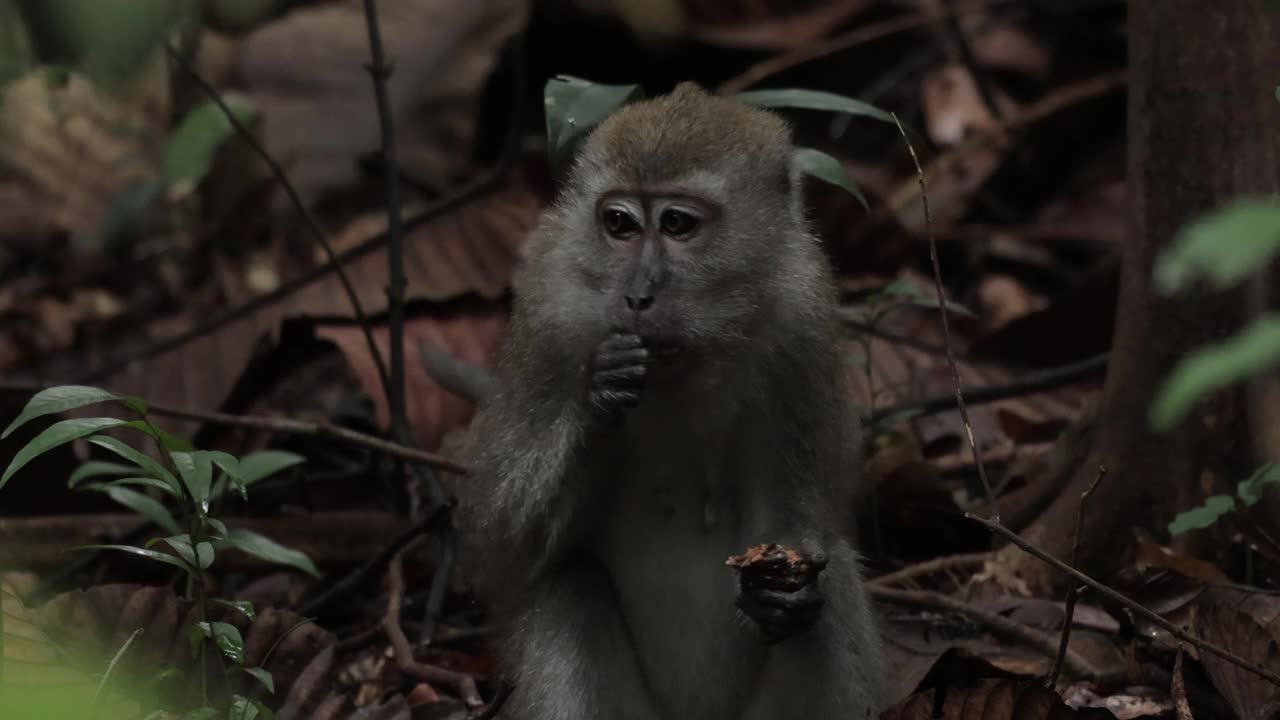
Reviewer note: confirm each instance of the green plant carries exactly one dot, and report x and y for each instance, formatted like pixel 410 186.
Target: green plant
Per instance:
pixel 190 480
pixel 1220 249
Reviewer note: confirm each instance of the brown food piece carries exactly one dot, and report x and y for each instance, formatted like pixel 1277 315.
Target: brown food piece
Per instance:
pixel 774 567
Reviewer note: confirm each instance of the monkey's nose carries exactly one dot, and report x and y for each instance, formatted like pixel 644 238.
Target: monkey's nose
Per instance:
pixel 639 304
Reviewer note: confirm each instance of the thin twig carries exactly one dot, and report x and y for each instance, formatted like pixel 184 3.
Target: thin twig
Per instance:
pixel 1073 594
pixel 1133 606
pixel 349 584
pixel 1036 382
pixel 308 218
pixel 463 684
pixel 929 567
pixel 379 71
pixel 1077 664
pixel 946 324
pixel 325 430
pixel 842 42
pixel 111 667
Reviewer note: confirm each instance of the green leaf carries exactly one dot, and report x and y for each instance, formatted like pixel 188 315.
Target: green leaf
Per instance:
pixel 144 506
pixel 262 676
pixel 264 463
pixel 915 296
pixel 189 153
pixel 267 549
pixel 142 460
pixel 242 708
pixel 139 481
pixel 822 166
pixel 226 637
pixel 136 404
pixel 1249 352
pixel 98 468
pixel 1223 246
pixel 203 713
pixel 1250 489
pixel 57 400
pixel 813 100
pixel 231 469
pixel 201 558
pixel 1203 516
pixel 574 107
pixel 57 434
pixel 124 213
pixel 143 552
pixel 196 469
pixel 241 606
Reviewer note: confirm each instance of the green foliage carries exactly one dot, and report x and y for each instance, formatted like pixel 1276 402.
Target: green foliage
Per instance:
pixel 189 152
pixel 575 106
pixel 1248 492
pixel 1222 247
pixel 813 100
pixel 1241 356
pixel 188 480
pixel 822 166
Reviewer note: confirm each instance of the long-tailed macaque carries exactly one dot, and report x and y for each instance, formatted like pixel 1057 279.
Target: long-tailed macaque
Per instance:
pixel 672 393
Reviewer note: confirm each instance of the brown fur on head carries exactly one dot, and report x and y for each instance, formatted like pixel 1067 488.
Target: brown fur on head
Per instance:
pixel 752 259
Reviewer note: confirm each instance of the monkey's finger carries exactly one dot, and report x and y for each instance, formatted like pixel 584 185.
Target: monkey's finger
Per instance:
pixel 607 399
pixel 607 360
pixel 632 376
pixel 620 341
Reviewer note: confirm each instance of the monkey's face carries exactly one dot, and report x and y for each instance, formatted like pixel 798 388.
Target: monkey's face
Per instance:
pixel 677 265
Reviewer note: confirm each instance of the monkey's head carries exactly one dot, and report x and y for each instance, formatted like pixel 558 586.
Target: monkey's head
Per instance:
pixel 680 221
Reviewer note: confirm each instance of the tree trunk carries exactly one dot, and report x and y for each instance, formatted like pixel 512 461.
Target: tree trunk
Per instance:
pixel 1203 129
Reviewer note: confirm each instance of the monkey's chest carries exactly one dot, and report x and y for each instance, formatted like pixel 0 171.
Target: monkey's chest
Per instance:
pixel 670 523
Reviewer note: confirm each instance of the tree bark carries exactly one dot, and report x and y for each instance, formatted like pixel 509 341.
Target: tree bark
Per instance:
pixel 1203 129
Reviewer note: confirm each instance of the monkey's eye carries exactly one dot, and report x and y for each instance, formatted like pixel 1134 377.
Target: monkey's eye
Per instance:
pixel 678 223
pixel 619 223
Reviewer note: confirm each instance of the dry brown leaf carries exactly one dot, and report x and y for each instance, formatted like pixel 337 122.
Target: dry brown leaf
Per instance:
pixel 469 251
pixel 991 699
pixel 1247 624
pixel 471 335
pixel 306 73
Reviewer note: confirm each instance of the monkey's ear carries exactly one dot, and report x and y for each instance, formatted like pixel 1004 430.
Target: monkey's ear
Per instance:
pixel 574 107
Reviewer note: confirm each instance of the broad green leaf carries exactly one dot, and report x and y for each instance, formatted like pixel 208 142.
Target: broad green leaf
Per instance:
pixel 1250 489
pixel 139 481
pixel 144 506
pixel 231 469
pixel 136 404
pixel 217 529
pixel 57 434
pixel 201 557
pixel 1249 352
pixel 256 466
pixel 264 463
pixel 267 549
pixel 242 708
pixel 813 100
pixel 262 676
pixel 1222 247
pixel 98 468
pixel 574 107
pixel 822 166
pixel 196 469
pixel 241 606
pixel 226 637
pixel 169 441
pixel 189 153
pixel 1203 516
pixel 57 400
pixel 124 214
pixel 144 552
pixel 142 460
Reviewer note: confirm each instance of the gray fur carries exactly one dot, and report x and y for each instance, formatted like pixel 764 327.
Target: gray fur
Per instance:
pixel 601 548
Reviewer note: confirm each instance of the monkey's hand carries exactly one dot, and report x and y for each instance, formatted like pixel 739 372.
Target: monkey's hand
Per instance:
pixel 618 370
pixel 778 588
